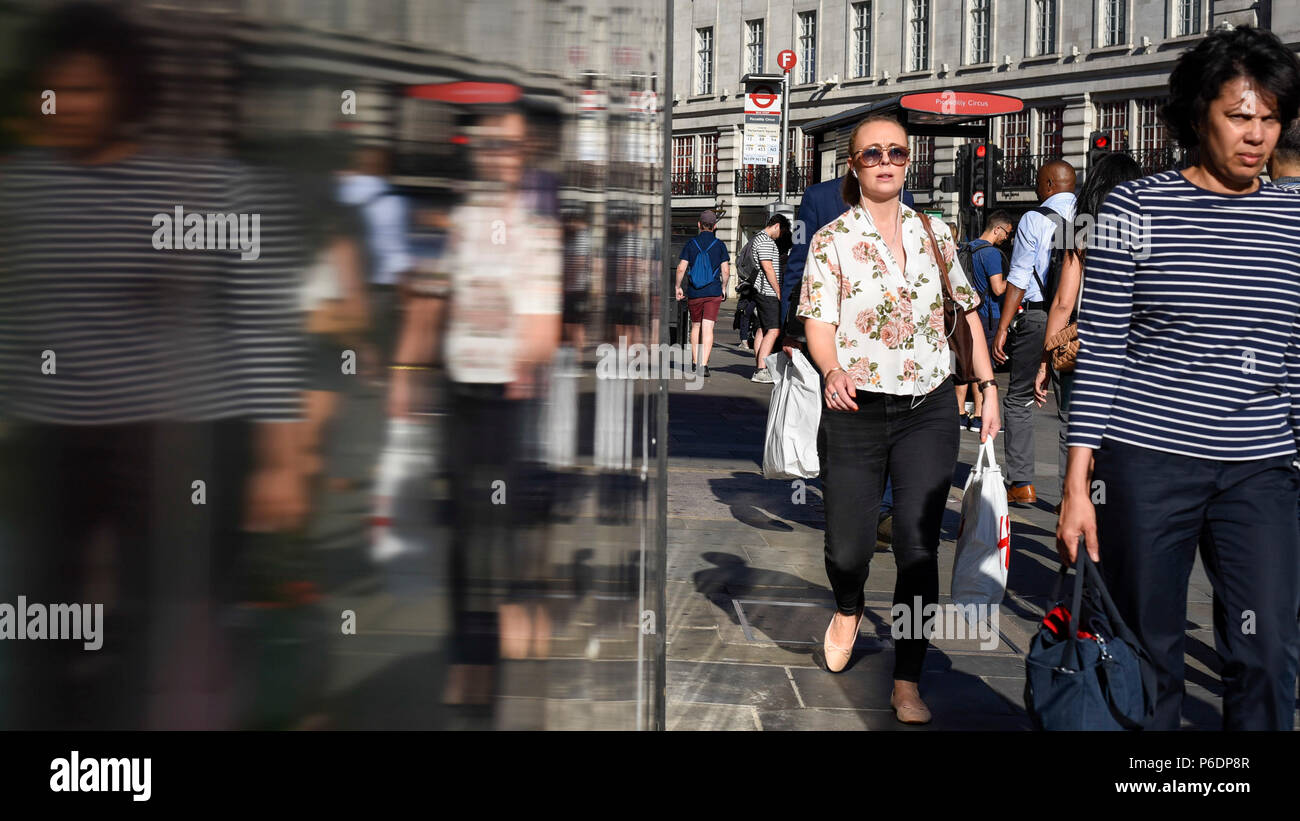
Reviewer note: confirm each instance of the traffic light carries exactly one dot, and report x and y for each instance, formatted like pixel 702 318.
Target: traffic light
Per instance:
pixel 995 157
pixel 1098 147
pixel 963 175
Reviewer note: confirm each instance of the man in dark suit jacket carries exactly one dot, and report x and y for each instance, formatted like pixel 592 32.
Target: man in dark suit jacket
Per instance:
pixel 821 203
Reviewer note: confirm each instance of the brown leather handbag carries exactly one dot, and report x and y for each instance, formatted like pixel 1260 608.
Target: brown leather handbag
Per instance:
pixel 955 325
pixel 1064 348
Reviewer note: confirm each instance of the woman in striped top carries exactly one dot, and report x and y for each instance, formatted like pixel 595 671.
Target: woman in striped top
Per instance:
pixel 1186 402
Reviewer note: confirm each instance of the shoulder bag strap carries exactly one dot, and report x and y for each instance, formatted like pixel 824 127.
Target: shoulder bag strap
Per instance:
pixel 943 263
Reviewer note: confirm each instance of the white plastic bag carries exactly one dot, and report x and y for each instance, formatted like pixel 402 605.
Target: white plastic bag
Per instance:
pixel 979 572
pixel 402 489
pixel 793 414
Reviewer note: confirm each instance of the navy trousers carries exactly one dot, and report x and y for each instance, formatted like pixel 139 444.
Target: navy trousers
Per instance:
pixel 1158 507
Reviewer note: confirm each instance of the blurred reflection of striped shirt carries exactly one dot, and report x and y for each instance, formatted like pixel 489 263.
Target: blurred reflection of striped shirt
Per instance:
pixel 139 334
pixel 577 260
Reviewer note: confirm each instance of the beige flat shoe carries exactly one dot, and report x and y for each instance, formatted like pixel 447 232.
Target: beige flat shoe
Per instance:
pixel 837 658
pixel 908 706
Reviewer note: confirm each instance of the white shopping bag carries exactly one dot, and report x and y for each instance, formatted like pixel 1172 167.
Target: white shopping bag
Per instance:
pixel 793 414
pixel 402 489
pixel 979 572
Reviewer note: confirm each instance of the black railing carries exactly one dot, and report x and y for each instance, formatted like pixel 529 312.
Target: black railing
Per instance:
pixel 1020 171
pixel 694 184
pixel 920 178
pixel 1168 158
pixel 766 179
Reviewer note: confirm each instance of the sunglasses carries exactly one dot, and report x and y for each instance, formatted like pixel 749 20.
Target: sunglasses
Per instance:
pixel 874 155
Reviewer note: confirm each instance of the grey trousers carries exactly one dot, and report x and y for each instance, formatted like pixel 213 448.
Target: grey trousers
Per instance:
pixel 1025 349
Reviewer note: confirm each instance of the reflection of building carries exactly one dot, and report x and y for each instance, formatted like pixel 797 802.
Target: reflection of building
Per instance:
pixel 1079 66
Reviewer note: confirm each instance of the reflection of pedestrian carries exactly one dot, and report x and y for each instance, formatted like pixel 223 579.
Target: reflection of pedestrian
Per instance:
pixel 577 280
pixel 158 356
pixel 386 224
pixel 704 300
pixel 490 309
pixel 873 314
pixel 1028 280
pixel 1193 281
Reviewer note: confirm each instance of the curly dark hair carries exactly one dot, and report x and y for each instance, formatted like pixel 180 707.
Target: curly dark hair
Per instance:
pixel 84 27
pixel 1222 56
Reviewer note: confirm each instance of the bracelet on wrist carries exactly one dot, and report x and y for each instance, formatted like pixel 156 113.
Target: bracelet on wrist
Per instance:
pixel 827 375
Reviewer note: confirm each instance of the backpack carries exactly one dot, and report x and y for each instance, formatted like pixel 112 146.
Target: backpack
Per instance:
pixel 1057 258
pixel 966 256
pixel 748 268
pixel 702 271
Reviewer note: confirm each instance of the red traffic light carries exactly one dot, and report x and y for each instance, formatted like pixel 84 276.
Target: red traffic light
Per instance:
pixel 981 150
pixel 1100 142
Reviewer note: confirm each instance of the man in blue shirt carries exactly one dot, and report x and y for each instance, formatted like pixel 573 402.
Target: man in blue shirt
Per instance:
pixel 1030 263
pixel 703 301
pixel 988 275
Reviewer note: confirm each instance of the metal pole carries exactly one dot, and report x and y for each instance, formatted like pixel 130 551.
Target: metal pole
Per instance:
pixel 785 116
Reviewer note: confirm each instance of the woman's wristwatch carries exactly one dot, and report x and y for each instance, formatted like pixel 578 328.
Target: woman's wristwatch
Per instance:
pixel 986 383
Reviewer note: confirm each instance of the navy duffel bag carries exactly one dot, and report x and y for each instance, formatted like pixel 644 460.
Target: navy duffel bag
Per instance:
pixel 1085 669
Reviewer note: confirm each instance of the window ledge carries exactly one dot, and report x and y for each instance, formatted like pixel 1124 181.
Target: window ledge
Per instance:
pixel 1105 50
pixel 861 81
pixel 915 75
pixel 1041 59
pixel 701 98
pixel 1181 39
pixel 973 67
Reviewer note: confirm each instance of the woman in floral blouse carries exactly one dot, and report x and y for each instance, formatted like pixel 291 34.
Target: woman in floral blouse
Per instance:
pixel 872 304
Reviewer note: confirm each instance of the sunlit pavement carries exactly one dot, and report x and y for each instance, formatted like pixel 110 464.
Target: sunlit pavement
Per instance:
pixel 748 598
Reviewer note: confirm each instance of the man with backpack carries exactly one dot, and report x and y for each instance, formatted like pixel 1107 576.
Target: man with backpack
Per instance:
pixel 1035 270
pixel 983 260
pixel 705 257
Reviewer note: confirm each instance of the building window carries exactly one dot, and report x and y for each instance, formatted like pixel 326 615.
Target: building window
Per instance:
pixel 808 47
pixel 708 166
pixel 754 47
pixel 1014 140
pixel 1114 22
pixel 1051 122
pixel 704 61
pixel 979 31
pixel 683 156
pixel 1044 27
pixel 920 177
pixel 1112 118
pixel 861 39
pixel 1188 20
pixel 919 27
pixel 1152 134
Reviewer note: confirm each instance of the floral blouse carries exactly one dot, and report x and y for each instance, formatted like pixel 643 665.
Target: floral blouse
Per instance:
pixel 889 334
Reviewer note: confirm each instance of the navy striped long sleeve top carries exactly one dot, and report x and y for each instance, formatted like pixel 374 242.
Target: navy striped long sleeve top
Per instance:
pixel 1189 329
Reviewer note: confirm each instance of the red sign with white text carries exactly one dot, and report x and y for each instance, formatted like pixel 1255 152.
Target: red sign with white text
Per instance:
pixel 962 103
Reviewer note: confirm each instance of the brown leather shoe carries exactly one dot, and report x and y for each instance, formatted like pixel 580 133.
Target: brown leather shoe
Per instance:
pixel 907 704
pixel 1022 495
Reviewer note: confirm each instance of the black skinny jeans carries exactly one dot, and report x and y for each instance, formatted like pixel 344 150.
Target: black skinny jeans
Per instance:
pixel 916 448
